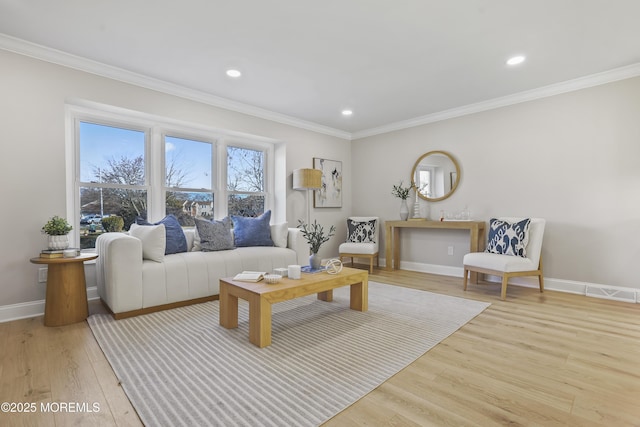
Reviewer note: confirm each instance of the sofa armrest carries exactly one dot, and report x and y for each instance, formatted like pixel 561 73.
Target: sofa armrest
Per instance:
pixel 297 242
pixel 119 271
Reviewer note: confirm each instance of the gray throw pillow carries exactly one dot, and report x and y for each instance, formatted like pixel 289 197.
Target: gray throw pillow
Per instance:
pixel 215 235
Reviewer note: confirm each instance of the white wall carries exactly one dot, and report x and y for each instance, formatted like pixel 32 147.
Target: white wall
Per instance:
pixel 32 165
pixel 571 158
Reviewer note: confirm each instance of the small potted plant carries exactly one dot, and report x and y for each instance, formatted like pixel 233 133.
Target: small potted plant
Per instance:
pixel 58 229
pixel 402 193
pixel 315 237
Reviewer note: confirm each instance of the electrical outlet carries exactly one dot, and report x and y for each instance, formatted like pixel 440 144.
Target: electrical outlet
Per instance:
pixel 42 275
pixel 450 250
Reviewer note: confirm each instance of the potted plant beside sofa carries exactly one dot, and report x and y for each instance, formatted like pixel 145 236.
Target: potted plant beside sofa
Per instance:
pixel 57 229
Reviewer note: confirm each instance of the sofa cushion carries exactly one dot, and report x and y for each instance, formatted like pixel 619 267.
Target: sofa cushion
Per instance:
pixel 153 238
pixel 279 234
pixel 252 231
pixel 507 238
pixel 214 235
pixel 176 242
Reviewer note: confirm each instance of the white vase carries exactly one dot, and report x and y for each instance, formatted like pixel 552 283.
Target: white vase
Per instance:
pixel 404 210
pixel 59 242
pixel 314 261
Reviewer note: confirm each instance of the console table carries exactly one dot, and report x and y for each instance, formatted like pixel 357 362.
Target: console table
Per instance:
pixel 392 239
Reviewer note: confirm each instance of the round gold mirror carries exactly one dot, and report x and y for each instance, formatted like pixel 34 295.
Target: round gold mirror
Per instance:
pixel 435 176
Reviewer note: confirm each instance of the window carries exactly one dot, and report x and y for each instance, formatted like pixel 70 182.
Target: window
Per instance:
pixel 188 172
pixel 112 177
pixel 245 181
pixel 132 164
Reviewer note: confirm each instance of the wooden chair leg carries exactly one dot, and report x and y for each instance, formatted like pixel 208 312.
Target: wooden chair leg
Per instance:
pixel 505 280
pixel 466 273
pixel 371 265
pixel 352 264
pixel 541 280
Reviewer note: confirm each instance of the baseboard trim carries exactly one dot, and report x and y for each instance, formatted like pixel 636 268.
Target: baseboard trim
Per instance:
pixel 594 290
pixel 34 308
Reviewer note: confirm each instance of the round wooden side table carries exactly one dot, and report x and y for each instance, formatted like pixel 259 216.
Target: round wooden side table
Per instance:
pixel 66 300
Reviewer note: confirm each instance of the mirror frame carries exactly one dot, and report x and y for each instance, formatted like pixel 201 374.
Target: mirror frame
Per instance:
pixel 453 187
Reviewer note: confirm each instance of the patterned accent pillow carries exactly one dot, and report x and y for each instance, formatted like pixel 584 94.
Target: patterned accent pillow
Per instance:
pixel 361 231
pixel 176 241
pixel 252 231
pixel 214 235
pixel 507 238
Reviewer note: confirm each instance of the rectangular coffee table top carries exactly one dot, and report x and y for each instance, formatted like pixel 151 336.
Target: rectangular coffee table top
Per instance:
pixel 308 284
pixel 262 295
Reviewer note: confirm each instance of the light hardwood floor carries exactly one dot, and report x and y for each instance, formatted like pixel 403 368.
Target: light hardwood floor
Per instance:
pixel 549 359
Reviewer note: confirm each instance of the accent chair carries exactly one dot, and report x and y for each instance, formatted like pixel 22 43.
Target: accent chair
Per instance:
pixel 514 249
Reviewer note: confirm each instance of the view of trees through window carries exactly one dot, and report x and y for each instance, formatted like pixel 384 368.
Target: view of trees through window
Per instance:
pixel 113 178
pixel 245 181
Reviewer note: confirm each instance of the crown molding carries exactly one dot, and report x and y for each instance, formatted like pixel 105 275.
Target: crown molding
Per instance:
pixel 529 95
pixel 58 57
pixel 40 52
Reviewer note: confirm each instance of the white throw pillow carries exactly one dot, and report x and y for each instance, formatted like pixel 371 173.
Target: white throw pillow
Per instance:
pixel 154 240
pixel 280 234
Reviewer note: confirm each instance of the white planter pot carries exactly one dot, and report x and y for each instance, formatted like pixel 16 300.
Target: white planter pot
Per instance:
pixel 59 242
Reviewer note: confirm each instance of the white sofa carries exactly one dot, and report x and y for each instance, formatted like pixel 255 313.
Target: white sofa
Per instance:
pixel 129 285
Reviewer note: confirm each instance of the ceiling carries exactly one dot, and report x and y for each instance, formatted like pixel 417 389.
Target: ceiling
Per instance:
pixel 305 61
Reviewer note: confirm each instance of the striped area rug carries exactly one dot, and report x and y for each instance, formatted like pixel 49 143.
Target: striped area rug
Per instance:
pixel 179 367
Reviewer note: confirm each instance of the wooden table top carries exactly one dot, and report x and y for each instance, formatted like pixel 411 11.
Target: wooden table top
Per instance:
pixel 63 260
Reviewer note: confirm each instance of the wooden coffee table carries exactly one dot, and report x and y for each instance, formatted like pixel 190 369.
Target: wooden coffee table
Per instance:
pixel 261 295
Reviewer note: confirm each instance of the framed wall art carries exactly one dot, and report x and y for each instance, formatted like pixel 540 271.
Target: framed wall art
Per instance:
pixel 330 194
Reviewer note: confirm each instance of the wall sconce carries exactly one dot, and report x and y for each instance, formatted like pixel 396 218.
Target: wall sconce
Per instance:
pixel 307 179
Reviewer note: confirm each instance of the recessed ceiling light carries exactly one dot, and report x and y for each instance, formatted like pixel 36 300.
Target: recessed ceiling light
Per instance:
pixel 347 112
pixel 515 60
pixel 234 73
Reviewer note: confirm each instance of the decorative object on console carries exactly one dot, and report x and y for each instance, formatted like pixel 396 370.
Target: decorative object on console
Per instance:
pixel 362 239
pixel 315 237
pixel 57 229
pixel 329 195
pixel 402 193
pixel 417 214
pixel 524 258
pixel 307 179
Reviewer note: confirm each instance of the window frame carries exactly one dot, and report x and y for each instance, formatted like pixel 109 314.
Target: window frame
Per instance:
pixel 156 128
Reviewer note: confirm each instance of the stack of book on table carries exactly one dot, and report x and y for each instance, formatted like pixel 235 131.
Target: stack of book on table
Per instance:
pixel 58 253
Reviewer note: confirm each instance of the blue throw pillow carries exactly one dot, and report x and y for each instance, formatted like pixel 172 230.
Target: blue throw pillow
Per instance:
pixel 252 231
pixel 176 240
pixel 507 238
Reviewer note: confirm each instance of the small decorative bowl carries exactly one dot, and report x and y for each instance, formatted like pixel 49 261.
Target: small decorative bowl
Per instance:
pixel 272 278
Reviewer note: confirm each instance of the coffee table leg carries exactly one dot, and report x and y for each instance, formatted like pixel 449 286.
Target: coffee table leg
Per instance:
pixel 259 321
pixel 228 308
pixel 360 296
pixel 326 295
